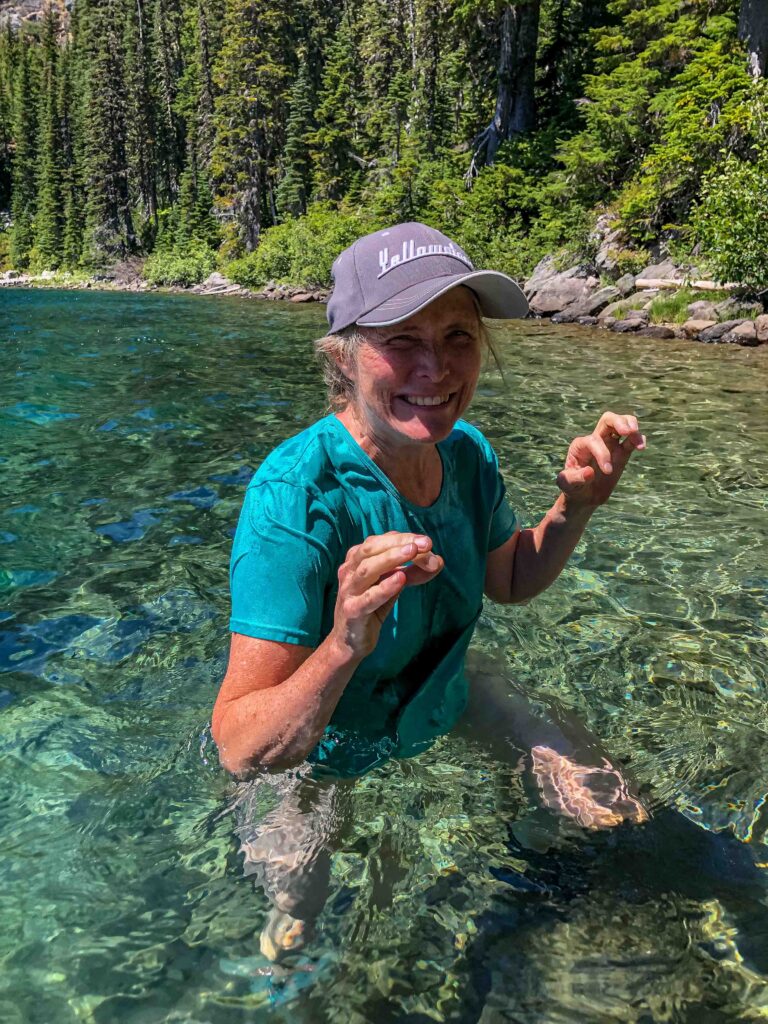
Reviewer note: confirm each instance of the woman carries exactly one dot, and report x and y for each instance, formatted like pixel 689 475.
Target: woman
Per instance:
pixel 366 543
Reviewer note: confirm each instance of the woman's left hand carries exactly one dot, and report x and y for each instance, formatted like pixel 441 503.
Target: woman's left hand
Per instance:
pixel 595 462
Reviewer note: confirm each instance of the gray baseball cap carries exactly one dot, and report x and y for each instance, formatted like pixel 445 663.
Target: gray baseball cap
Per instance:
pixel 386 277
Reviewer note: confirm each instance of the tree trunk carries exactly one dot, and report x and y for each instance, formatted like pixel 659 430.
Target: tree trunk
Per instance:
pixel 515 112
pixel 753 31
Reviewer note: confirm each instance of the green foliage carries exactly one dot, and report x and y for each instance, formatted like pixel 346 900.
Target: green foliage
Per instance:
pixel 183 266
pixel 731 224
pixel 190 126
pixel 672 307
pixel 301 250
pixel 5 251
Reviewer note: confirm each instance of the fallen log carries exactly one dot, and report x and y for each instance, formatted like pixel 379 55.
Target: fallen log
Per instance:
pixel 699 286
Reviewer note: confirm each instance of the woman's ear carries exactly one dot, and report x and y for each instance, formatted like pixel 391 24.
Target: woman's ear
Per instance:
pixel 345 360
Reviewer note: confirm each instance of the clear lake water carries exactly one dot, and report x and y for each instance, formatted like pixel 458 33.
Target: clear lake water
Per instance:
pixel 129 428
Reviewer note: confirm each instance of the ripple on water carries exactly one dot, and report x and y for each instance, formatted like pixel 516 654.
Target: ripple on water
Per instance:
pixel 453 895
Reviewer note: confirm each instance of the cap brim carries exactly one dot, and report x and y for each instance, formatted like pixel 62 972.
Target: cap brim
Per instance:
pixel 499 297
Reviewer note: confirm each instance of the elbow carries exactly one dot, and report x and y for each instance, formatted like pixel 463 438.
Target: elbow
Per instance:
pixel 245 764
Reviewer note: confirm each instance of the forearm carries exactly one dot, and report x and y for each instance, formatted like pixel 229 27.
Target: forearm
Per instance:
pixel 277 726
pixel 542 552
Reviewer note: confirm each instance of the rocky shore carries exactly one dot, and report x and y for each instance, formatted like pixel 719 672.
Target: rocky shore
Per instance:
pixel 575 295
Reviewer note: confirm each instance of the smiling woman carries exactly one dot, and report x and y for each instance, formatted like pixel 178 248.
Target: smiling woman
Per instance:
pixel 365 546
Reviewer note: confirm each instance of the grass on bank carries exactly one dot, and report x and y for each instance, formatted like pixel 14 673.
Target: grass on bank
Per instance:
pixel 672 307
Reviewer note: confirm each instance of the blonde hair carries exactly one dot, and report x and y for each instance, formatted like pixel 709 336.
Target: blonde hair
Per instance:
pixel 334 349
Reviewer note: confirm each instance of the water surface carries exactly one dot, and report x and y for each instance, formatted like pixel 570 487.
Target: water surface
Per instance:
pixel 129 427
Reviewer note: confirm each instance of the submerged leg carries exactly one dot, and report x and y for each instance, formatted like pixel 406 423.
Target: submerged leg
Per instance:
pixel 571 772
pixel 288 851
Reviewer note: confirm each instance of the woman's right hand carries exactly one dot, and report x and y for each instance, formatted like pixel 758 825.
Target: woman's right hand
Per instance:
pixel 370 581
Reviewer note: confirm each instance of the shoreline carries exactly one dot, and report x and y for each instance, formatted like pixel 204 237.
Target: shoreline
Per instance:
pixel 747 332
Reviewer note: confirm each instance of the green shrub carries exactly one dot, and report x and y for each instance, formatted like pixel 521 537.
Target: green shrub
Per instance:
pixel 730 222
pixel 183 266
pixel 301 250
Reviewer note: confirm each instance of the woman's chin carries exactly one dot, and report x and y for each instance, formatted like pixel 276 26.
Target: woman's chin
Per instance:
pixel 425 422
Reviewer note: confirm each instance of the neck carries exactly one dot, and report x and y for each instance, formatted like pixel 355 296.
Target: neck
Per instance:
pixel 414 468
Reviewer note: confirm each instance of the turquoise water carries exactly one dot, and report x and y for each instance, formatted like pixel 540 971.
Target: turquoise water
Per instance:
pixel 129 426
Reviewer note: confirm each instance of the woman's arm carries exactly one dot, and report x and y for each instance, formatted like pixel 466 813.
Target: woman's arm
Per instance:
pixel 277 698
pixel 275 701
pixel 532 559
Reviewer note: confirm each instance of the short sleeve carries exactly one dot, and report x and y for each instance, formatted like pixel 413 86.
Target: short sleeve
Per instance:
pixel 283 564
pixel 503 520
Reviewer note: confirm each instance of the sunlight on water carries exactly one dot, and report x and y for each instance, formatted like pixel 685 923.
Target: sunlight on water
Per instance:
pixel 129 428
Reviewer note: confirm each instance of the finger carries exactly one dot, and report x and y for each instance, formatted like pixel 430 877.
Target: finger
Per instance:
pixel 370 570
pixel 422 571
pixel 634 442
pixel 381 542
pixel 571 480
pixel 600 453
pixel 611 423
pixel 375 597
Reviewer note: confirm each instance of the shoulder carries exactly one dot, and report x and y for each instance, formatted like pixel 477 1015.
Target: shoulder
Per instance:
pixel 293 490
pixel 302 460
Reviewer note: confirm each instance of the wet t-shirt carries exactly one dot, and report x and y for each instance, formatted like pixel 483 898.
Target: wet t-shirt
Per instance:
pixel 312 499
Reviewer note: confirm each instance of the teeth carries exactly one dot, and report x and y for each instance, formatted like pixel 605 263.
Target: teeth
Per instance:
pixel 419 400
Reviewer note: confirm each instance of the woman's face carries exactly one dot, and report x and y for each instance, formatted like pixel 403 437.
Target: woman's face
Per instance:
pixel 415 379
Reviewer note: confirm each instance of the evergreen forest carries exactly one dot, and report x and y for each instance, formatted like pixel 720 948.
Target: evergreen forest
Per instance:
pixel 260 137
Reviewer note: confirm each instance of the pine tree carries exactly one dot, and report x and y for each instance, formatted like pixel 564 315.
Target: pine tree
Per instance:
pixel 336 142
pixel 49 219
pixel 7 68
pixel 253 74
pixel 24 180
pixel 140 112
pixel 294 189
pixel 167 24
pixel 109 229
pixel 72 77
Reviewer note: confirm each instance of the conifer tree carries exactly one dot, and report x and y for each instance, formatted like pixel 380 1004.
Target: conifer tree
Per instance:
pixel 109 228
pixel 7 53
pixel 49 219
pixel 167 23
pixel 336 142
pixel 294 189
pixel 253 74
pixel 24 180
pixel 72 78
pixel 140 111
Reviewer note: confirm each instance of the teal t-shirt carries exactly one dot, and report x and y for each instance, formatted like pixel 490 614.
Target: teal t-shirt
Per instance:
pixel 313 498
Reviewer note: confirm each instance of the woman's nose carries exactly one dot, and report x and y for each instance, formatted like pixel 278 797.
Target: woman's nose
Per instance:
pixel 433 363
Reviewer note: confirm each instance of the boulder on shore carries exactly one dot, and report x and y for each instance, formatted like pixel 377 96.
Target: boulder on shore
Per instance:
pixel 703 310
pixel 716 332
pixel 550 291
pixel 693 328
pixel 664 271
pixel 761 328
pixel 744 334
pixel 657 331
pixel 589 305
pixel 628 325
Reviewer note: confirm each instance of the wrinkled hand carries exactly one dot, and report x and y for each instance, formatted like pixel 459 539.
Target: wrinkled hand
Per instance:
pixel 595 462
pixel 371 579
